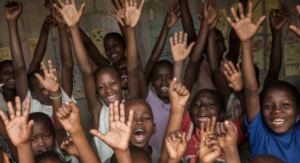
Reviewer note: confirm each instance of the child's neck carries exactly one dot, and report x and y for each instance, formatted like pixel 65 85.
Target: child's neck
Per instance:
pixel 165 100
pixel 148 149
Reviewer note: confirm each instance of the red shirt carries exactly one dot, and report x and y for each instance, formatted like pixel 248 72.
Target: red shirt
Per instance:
pixel 193 138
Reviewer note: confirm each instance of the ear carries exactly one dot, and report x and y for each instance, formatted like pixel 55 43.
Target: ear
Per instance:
pixel 33 95
pixel 154 129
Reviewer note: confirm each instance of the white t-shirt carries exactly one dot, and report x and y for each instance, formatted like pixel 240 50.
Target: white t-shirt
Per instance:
pixel 36 106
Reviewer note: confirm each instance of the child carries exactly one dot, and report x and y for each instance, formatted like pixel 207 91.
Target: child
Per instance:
pixel 29 86
pixel 292 27
pixel 272 129
pixel 137 155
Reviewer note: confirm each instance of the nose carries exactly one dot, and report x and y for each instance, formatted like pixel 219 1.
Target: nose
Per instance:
pixel 276 110
pixel 164 80
pixel 203 107
pixel 108 89
pixel 41 143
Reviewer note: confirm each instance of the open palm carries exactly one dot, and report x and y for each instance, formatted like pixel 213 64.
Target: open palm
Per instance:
pixel 173 15
pixel 281 17
pixel 51 81
pixel 179 50
pixel 294 28
pixel 18 128
pixel 244 27
pixel 13 10
pixel 234 76
pixel 69 12
pixel 132 16
pixel 119 10
pixel 119 131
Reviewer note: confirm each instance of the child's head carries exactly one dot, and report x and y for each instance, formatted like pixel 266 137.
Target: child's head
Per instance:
pixel 280 106
pixel 121 66
pixel 143 126
pixel 162 75
pixel 266 159
pixel 138 155
pixel 37 89
pixel 43 136
pixel 220 44
pixel 108 84
pixel 206 104
pixel 114 46
pixel 7 76
pixel 47 157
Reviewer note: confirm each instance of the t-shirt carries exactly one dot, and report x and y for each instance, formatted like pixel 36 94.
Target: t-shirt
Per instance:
pixel 193 139
pixel 36 106
pixel 264 141
pixel 161 112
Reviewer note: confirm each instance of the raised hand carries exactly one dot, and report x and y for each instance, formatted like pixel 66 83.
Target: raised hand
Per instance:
pixel 68 146
pixel 18 128
pixel 209 14
pixel 178 93
pixel 69 12
pixel 51 81
pixel 132 13
pixel 69 117
pixel 209 149
pixel 13 10
pixel 234 76
pixel 293 28
pixel 176 145
pixel 281 17
pixel 243 26
pixel 227 134
pixel 49 23
pixel 119 10
pixel 173 15
pixel 57 17
pixel 179 50
pixel 119 131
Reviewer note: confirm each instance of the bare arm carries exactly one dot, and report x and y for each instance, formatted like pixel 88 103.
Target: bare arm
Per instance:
pixel 276 23
pixel 187 21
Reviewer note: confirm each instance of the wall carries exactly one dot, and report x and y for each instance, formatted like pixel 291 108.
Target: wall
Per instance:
pixel 96 17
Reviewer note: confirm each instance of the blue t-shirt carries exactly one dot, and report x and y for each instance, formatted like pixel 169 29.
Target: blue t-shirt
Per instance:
pixel 264 141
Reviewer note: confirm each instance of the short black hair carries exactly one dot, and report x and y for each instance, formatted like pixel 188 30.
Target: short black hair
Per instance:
pixel 5 62
pixel 139 99
pixel 115 34
pixel 42 117
pixel 281 84
pixel 162 62
pixel 45 155
pixel 31 78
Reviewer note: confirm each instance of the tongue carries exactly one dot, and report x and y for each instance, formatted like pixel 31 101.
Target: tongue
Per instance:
pixel 139 135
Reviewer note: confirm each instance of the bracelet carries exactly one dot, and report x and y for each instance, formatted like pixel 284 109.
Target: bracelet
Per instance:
pixel 55 98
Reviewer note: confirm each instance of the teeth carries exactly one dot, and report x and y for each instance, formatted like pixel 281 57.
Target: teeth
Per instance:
pixel 277 123
pixel 139 130
pixel 11 80
pixel 114 55
pixel 111 97
pixel 123 77
pixel 278 120
pixel 164 88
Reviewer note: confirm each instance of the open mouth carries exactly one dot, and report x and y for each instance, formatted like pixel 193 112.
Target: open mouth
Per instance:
pixel 202 118
pixel 278 122
pixel 42 151
pixel 164 89
pixel 12 81
pixel 114 56
pixel 139 135
pixel 111 98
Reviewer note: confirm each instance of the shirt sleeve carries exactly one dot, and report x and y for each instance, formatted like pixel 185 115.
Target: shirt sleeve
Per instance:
pixel 256 129
pixel 35 105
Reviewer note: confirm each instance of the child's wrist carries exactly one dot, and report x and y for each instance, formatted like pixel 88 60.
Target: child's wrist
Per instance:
pixel 55 95
pixel 230 150
pixel 24 145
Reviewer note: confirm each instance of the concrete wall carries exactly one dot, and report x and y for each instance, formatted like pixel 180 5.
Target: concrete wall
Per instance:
pixel 34 14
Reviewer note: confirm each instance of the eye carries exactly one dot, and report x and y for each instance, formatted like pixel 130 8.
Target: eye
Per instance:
pixel 106 48
pixel 46 136
pixel 113 83
pixel 157 78
pixel 268 106
pixel 170 78
pixel 101 87
pixel 285 105
pixel 115 45
pixel 211 104
pixel 33 139
pixel 146 118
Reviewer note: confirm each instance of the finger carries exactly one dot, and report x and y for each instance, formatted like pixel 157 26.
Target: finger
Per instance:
pixel 215 4
pixel 175 38
pixel 171 42
pixel 238 66
pixel 171 85
pixel 212 142
pixel 50 67
pixel 186 93
pixel 215 22
pixel 295 30
pixel 97 133
pixel 228 69
pixel 271 16
pixel 241 10
pixel 118 4
pixel 27 108
pixel 283 6
pixel 217 130
pixel 11 110
pixel 236 18
pixel 232 67
pixel 130 118
pixel 111 113
pixel 4 118
pixel 289 15
pixel 68 2
pixel 81 9
pixel 126 3
pixel 18 106
pixel 66 110
pixel 183 139
pixel 141 5
pixel 44 68
pixel 222 129
pixel 189 49
pixel 178 133
pixel 201 128
pixel 133 3
pixel 182 89
pixel 216 149
pixel 179 85
pixel 57 8
pixel 231 128
pixel 226 75
pixel 298 9
pixel 260 20
pixel 249 15
pixel 62 113
pixel 59 116
pixel 199 18
pixel 122 113
pixel 288 8
pixel 60 3
pixel 207 125
pixel 180 37
pixel 113 15
pixel 114 8
pixel 185 38
pixel 213 124
pixel 232 24
pixel 116 110
pixel 30 126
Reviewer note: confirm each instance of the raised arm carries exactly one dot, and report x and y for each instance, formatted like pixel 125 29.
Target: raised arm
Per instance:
pixel 234 41
pixel 170 20
pixel 41 46
pixel 293 28
pixel 276 22
pixel 187 21
pixel 246 30
pixel 13 11
pixel 72 18
pixel 209 19
pixel 66 54
pixel 119 11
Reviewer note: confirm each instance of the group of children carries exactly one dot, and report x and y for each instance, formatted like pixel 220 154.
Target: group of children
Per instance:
pixel 40 121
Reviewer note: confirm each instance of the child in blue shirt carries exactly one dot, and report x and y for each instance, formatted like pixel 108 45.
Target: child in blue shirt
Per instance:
pixel 271 120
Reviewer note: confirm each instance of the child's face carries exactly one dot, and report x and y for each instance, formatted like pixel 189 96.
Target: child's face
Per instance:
pixel 162 77
pixel 279 109
pixel 143 126
pixel 42 139
pixel 204 106
pixel 108 86
pixel 121 65
pixel 40 93
pixel 220 45
pixel 114 48
pixel 7 76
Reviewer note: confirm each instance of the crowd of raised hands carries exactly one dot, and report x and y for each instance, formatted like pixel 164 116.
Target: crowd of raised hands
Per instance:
pixel 217 138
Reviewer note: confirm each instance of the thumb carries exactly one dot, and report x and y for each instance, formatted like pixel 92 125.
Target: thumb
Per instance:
pixel 171 86
pixel 39 77
pixel 81 9
pixel 30 126
pixel 97 133
pixel 231 128
pixel 189 49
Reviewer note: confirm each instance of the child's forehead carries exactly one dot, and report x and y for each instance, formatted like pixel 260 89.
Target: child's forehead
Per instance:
pixel 107 74
pixel 138 106
pixel 205 95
